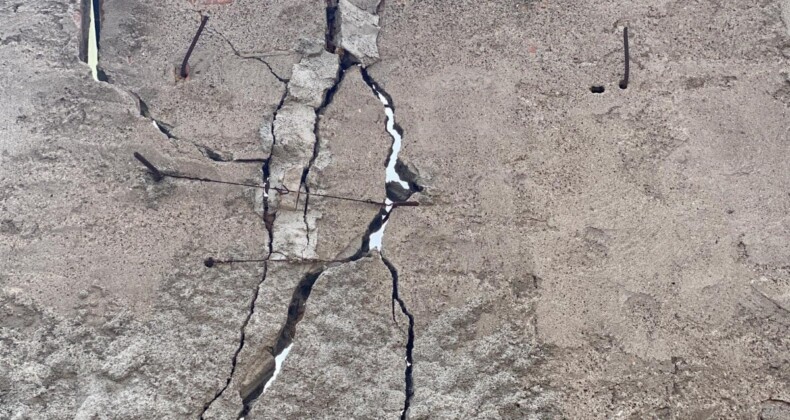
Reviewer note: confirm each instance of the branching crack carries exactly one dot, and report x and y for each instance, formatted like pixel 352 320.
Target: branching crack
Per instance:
pixel 407 180
pixel 401 183
pixel 268 219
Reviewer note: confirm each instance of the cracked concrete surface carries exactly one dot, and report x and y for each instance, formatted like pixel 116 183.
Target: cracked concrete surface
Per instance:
pixel 574 255
pixel 350 163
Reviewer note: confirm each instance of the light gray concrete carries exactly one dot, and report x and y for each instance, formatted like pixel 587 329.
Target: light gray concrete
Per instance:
pixel 620 255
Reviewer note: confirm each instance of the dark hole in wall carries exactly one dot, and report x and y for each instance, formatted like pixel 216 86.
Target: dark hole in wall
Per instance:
pixel 597 89
pixel 85 27
pixel 331 12
pixel 97 15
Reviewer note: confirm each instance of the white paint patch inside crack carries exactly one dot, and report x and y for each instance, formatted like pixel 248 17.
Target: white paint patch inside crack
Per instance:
pixel 397 140
pixel 278 365
pixel 376 238
pixel 391 175
pixel 93 46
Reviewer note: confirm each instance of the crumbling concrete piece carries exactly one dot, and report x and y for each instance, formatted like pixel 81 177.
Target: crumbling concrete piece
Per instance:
pixel 294 126
pixel 293 129
pixel 291 234
pixel 312 77
pixel 357 32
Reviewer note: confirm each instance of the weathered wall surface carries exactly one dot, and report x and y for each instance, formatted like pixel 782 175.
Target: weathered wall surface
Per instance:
pixel 574 255
pixel 627 251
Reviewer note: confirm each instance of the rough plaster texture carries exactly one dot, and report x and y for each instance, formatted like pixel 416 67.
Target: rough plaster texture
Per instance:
pixel 574 255
pixel 645 220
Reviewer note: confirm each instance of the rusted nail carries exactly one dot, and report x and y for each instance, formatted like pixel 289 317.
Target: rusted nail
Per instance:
pixel 406 204
pixel 185 63
pixel 151 168
pixel 624 82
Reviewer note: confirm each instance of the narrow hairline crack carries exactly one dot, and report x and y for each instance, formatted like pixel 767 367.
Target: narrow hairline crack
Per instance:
pixel 328 96
pixel 235 358
pixel 408 374
pixel 257 57
pixel 90 45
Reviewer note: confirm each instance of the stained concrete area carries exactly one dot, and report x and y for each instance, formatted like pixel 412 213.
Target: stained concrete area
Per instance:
pixel 580 255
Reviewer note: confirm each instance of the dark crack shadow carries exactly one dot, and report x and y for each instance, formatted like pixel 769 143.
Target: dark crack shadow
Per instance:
pixel 235 358
pixel 268 219
pixel 408 374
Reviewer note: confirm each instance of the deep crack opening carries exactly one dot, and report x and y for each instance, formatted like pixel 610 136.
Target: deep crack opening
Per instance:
pixel 90 36
pixel 331 25
pixel 85 28
pixel 401 183
pixel 285 337
pixel 97 15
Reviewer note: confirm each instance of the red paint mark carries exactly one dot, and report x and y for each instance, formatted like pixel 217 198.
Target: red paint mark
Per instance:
pixel 532 49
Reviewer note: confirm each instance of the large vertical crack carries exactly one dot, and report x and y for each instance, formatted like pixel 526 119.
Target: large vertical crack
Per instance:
pixel 400 184
pixel 398 175
pixel 408 378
